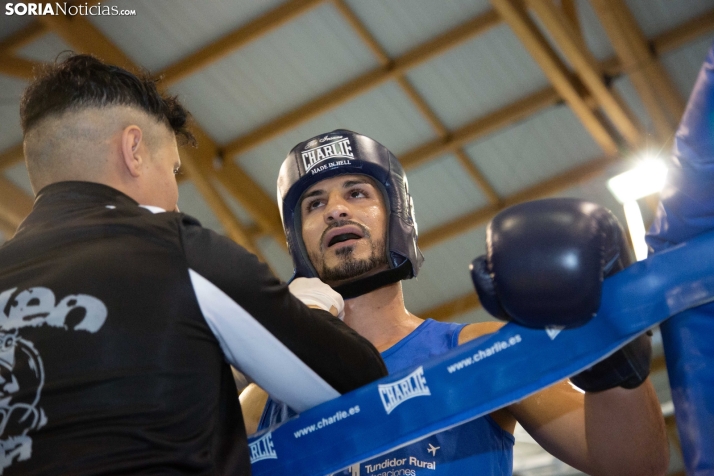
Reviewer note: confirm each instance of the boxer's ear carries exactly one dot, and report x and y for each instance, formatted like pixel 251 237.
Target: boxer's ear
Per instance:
pixel 133 149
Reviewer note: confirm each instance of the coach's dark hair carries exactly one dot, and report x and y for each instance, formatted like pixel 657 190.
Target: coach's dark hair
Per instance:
pixel 83 81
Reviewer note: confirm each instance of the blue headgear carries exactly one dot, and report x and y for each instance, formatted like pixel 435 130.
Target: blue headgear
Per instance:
pixel 345 152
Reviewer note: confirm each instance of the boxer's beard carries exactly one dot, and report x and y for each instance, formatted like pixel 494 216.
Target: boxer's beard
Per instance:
pixel 349 266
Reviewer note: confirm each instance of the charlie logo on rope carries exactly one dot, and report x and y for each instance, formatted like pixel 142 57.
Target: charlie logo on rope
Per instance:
pixel 396 393
pixel 339 148
pixel 262 449
pixel 22 373
pixel 553 331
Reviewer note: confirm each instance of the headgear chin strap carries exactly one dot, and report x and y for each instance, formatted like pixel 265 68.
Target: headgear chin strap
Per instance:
pixel 343 152
pixel 368 284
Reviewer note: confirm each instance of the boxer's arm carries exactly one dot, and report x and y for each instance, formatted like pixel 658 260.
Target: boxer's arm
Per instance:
pixel 634 417
pixel 241 300
pixel 613 432
pixel 252 403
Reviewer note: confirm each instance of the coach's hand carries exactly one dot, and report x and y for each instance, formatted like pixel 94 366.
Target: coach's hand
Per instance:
pixel 314 293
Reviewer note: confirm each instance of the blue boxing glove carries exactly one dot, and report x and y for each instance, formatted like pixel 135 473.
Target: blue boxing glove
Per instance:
pixel 628 367
pixel 545 264
pixel 546 261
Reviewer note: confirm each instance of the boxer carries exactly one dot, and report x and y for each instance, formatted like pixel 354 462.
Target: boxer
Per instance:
pixel 349 219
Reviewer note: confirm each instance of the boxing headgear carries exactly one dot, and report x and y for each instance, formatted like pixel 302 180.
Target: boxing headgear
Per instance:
pixel 345 152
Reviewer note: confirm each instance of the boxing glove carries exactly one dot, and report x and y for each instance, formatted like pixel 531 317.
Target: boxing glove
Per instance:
pixel 544 266
pixel 546 261
pixel 628 367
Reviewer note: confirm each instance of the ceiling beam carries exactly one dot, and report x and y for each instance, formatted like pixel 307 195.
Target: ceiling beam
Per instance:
pixel 570 10
pixel 236 39
pixel 362 83
pixel 558 183
pixel 423 108
pixel 420 103
pixel 10 63
pixel 23 37
pixel 31 32
pixel 84 37
pixel 661 44
pixel 11 156
pixel 362 32
pixel 15 203
pixel 477 176
pixel 481 127
pixel 535 43
pixel 78 32
pixel 240 185
pixel 17 67
pixel 586 66
pixel 668 41
pixel 242 188
pixel 81 34
pixel 268 218
pixel 264 210
pixel 200 177
pixel 683 34
pixel 656 90
pixel 640 46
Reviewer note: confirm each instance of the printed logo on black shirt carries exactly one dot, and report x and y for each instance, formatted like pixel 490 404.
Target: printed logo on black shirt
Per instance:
pixel 21 366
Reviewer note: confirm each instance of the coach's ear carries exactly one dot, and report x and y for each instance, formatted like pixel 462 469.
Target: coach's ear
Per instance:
pixel 133 149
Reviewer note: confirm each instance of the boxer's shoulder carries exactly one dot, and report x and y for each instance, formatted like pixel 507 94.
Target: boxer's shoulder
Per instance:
pixel 478 329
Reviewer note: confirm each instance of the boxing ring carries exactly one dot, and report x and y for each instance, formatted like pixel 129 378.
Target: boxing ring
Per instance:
pixel 476 379
pixel 674 287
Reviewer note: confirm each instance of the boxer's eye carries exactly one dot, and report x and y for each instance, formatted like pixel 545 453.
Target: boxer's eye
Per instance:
pixel 313 204
pixel 357 193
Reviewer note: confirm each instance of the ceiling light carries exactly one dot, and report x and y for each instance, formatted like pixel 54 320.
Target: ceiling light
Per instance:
pixel 636 227
pixel 645 179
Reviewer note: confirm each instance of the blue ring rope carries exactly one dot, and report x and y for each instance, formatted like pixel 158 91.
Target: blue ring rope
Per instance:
pixel 480 377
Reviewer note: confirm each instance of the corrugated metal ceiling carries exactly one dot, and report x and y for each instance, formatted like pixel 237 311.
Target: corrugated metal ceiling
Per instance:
pixel 657 16
pixel 385 114
pixel 280 71
pixel 528 152
pixel 480 76
pixel 318 50
pixel 399 26
pixel 166 31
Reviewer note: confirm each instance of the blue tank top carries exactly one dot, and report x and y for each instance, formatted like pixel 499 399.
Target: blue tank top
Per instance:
pixel 479 447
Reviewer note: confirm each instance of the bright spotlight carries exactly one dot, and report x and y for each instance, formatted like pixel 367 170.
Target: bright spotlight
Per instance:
pixel 636 226
pixel 645 179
